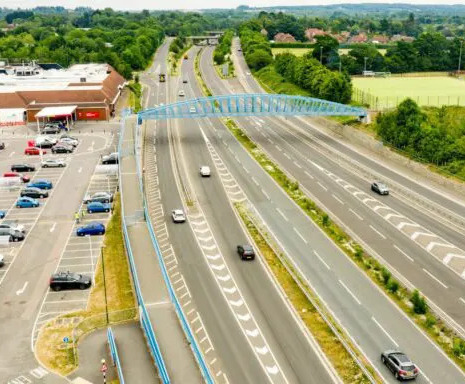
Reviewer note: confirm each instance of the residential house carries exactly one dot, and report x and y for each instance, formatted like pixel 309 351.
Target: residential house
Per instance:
pixel 284 38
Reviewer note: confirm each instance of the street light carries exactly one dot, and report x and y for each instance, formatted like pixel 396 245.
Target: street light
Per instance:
pixel 321 55
pixel 365 66
pixel 104 283
pixel 460 55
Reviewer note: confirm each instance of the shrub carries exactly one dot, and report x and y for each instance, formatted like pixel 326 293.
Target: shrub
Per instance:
pixel 393 286
pixel 430 320
pixel 325 220
pixel 386 276
pixel 419 303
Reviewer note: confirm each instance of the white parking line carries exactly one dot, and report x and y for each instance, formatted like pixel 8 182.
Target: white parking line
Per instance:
pixel 319 258
pixel 401 251
pixel 462 300
pixel 378 232
pixel 300 235
pixel 350 292
pixel 385 332
pixel 435 278
pixel 356 214
pixel 285 154
pixel 282 214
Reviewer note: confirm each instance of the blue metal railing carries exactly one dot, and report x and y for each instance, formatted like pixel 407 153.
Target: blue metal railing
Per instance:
pixel 114 354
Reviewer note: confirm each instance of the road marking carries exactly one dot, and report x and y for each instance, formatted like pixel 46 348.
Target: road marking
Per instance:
pixel 406 224
pixel 462 300
pixel 300 235
pixel 53 227
pixel 319 258
pixel 385 332
pixel 322 186
pixel 266 195
pixel 416 234
pixel 378 232
pixel 278 148
pixel 356 214
pixel 308 174
pixel 434 278
pixel 21 291
pixel 401 251
pixel 255 180
pixel 297 164
pixel 337 198
pixel 434 243
pixel 80 170
pixel 350 292
pixel 12 153
pixel 282 214
pixel 285 154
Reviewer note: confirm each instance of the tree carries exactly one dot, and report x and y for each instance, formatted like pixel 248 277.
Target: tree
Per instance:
pixel 259 59
pixel 326 48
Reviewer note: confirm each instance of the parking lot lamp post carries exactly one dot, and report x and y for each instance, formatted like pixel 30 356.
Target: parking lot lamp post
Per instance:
pixel 104 283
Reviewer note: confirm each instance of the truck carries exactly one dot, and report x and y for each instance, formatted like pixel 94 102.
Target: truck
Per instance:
pixel 161 77
pixel 186 57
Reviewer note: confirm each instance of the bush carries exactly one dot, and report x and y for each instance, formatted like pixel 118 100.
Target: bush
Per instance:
pixel 325 220
pixel 459 347
pixel 393 286
pixel 419 303
pixel 430 320
pixel 386 276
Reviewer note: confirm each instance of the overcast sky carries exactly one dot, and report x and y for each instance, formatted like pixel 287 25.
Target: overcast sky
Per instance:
pixel 196 4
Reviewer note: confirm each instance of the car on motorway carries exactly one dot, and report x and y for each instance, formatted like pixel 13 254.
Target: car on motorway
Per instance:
pixel 34 151
pixel 12 234
pixel 246 252
pixel 69 280
pixel 380 188
pixel 181 93
pixel 91 229
pixel 205 171
pixel 399 364
pixel 62 148
pixel 68 141
pixel 97 207
pixel 192 109
pixel 41 183
pixel 51 129
pixel 22 168
pixel 27 202
pixel 2 260
pixel 53 163
pixel 13 225
pixel 24 178
pixel 111 158
pixel 184 81
pixel 35 193
pixel 178 216
pixel 99 197
pixel 2 214
pixel 247 73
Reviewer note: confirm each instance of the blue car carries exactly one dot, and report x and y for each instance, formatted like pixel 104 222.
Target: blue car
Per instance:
pixel 98 207
pixel 91 229
pixel 41 183
pixel 26 202
pixel 2 214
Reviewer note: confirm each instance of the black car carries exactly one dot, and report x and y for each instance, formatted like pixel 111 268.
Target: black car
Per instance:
pixel 246 252
pixel 61 148
pixel 12 234
pixel 22 168
pixel 34 193
pixel 2 145
pixel 112 158
pixel 399 364
pixel 45 144
pixel 69 280
pixel 51 130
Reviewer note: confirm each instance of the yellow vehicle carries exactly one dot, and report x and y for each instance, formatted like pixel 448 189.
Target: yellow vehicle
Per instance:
pixel 186 57
pixel 161 77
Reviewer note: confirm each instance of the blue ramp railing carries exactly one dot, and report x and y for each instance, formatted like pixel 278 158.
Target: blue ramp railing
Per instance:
pixel 114 354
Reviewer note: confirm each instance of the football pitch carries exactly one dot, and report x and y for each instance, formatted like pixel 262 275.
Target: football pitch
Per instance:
pixel 387 92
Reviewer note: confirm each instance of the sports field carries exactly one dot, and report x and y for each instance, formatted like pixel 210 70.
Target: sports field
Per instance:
pixel 387 92
pixel 303 51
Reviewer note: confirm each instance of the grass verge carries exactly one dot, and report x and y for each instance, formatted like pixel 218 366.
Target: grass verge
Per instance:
pixel 135 97
pixel 219 70
pixel 50 348
pixel 305 303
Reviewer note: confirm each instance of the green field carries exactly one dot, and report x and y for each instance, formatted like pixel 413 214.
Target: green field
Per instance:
pixel 382 93
pixel 303 51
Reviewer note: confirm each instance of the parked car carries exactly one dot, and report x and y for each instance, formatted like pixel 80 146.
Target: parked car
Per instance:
pixel 111 158
pixel 205 171
pixel 100 197
pixel 399 364
pixel 380 188
pixel 91 229
pixel 2 145
pixel 67 136
pixel 41 183
pixel 69 280
pixel 12 225
pixel 50 130
pixel 62 148
pixel 178 216
pixel 34 151
pixel 2 214
pixel 24 178
pixel 68 141
pixel 182 93
pixel 35 193
pixel 184 81
pixel 98 207
pixel 45 144
pixel 23 168
pixel 246 252
pixel 26 202
pixel 13 235
pixel 2 260
pixel 53 163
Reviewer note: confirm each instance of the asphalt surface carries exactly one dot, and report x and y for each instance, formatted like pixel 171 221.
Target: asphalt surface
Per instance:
pixel 368 316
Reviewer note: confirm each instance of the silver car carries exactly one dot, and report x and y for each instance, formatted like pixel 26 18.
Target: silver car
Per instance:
pixel 380 188
pixel 178 216
pixel 53 163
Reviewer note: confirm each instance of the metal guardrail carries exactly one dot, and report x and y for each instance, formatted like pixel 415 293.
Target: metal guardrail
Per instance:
pixel 144 317
pixel 114 354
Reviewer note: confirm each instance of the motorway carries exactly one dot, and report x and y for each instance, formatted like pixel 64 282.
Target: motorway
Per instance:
pixel 369 317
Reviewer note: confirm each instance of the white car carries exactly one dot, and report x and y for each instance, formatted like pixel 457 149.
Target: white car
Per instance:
pixel 53 163
pixel 192 109
pixel 13 225
pixel 247 73
pixel 2 261
pixel 205 171
pixel 178 216
pixel 68 141
pixel 181 93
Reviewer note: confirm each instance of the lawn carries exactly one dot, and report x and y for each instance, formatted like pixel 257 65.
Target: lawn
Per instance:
pixel 381 93
pixel 303 51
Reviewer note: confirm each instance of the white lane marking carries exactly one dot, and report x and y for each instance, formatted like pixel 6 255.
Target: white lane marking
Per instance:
pixel 252 333
pixel 322 261
pixel 53 227
pixel 272 370
pixel 285 154
pixel 406 224
pixel 350 292
pixel 282 214
pixel 245 317
pixel 266 195
pixel 356 214
pixel 300 235
pixel 278 148
pixel 417 234
pixel 337 198
pixel 80 170
pixel 378 232
pixel 401 251
pixel 12 153
pixel 262 350
pixel 255 180
pixel 21 291
pixel 308 174
pixel 322 186
pixel 297 164
pixel 385 332
pixel 462 300
pixel 434 278
pixel 389 215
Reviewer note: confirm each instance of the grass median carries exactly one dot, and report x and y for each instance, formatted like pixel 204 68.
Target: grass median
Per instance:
pixel 62 357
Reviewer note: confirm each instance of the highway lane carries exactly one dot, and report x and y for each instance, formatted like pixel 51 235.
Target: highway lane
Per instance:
pixel 298 153
pixel 375 323
pixel 297 358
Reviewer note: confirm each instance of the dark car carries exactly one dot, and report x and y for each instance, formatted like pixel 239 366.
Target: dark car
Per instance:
pixel 45 144
pixel 51 130
pixel 69 280
pixel 99 197
pixel 380 188
pixel 2 214
pixel 91 229
pixel 62 148
pixel 66 136
pixel 112 158
pixel 399 364
pixel 246 252
pixel 2 145
pixel 41 183
pixel 12 234
pixel 34 192
pixel 98 207
pixel 22 168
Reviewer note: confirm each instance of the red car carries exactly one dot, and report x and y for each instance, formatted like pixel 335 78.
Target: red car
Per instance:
pixel 24 178
pixel 34 151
